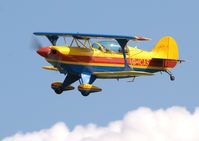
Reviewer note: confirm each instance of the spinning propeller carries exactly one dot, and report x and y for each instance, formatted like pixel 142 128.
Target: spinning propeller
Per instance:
pixel 47 52
pixel 35 44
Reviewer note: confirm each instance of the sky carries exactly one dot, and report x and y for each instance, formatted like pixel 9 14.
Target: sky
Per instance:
pixel 27 103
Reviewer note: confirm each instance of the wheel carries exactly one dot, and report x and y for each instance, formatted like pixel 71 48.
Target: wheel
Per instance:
pixel 85 93
pixel 58 91
pixel 172 78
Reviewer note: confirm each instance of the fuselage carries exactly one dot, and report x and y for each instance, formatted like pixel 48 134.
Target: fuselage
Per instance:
pixel 88 60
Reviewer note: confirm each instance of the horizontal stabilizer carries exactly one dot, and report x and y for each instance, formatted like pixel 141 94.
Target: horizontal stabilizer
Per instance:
pixel 121 74
pixel 169 59
pixel 50 68
pixel 166 63
pixel 180 61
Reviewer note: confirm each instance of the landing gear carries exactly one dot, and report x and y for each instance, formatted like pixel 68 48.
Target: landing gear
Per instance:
pixel 58 90
pixel 85 93
pixel 132 79
pixel 172 78
pixel 59 87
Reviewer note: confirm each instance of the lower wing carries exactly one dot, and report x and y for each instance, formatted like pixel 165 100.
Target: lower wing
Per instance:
pixel 121 74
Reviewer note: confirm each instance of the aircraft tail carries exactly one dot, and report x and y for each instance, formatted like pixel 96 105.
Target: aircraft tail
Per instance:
pixel 166 48
pixel 166 52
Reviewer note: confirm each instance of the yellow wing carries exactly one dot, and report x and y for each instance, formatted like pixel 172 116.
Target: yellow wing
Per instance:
pixel 116 74
pixel 121 74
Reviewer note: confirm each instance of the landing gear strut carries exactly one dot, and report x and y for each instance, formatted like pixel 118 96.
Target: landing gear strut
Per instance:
pixel 172 78
pixel 132 79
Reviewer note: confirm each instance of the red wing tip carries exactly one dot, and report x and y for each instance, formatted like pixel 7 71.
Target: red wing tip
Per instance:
pixel 142 38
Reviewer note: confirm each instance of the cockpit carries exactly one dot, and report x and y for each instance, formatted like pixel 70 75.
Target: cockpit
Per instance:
pixel 108 46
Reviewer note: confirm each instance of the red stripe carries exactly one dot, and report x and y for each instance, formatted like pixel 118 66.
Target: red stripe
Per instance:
pixel 114 60
pixel 87 59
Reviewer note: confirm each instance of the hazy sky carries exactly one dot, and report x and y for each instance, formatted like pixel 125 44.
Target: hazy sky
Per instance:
pixel 27 103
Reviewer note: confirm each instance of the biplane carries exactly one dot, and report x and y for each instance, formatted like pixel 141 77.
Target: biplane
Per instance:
pixel 107 59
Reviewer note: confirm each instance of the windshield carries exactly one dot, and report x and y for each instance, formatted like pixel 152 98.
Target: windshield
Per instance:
pixel 110 46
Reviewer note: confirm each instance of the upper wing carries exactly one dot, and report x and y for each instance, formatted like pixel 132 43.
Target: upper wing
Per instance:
pixel 88 36
pixel 121 74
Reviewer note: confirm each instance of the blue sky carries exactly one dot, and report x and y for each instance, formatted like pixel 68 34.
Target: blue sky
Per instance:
pixel 27 102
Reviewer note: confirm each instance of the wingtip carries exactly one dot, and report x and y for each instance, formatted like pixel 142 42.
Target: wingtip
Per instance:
pixel 142 38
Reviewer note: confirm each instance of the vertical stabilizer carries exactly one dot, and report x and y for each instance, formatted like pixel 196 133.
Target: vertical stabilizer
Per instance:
pixel 166 48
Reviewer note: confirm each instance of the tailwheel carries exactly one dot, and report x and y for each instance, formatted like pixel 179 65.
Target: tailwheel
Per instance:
pixel 85 93
pixel 172 78
pixel 58 90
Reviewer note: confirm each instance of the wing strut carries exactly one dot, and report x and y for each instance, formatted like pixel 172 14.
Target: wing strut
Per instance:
pixel 123 43
pixel 53 39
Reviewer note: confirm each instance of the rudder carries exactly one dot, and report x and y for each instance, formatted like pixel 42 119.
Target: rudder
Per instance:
pixel 166 48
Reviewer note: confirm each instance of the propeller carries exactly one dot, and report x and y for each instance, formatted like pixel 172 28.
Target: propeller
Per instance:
pixel 53 54
pixel 35 44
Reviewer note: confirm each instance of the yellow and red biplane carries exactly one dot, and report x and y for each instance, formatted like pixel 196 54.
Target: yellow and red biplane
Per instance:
pixel 111 59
